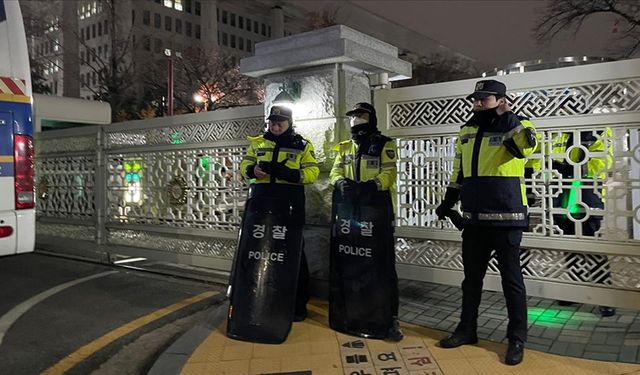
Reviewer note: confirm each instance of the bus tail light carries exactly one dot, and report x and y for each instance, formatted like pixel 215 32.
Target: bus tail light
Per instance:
pixel 23 158
pixel 5 231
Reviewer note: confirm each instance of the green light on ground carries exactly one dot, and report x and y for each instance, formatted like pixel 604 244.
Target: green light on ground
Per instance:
pixel 548 317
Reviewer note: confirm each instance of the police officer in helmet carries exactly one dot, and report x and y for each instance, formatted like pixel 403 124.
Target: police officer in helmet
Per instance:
pixel 488 177
pixel 280 162
pixel 365 168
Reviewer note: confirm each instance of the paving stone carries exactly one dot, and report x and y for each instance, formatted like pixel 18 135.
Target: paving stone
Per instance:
pixel 576 330
pixel 601 356
pixel 565 314
pixel 559 348
pixel 615 339
pixel 540 340
pixel 626 319
pixel 573 339
pixel 601 348
pixel 409 315
pixel 536 331
pixel 534 346
pixel 551 333
pixel 575 349
pixel 628 354
pixel 570 332
pixel 492 323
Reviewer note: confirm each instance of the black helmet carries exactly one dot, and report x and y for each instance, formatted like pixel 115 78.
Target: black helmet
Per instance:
pixel 365 108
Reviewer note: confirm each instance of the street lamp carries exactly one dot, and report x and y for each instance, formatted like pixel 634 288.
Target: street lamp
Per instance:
pixel 169 54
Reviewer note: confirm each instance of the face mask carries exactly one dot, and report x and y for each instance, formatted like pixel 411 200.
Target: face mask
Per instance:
pixel 357 121
pixel 485 116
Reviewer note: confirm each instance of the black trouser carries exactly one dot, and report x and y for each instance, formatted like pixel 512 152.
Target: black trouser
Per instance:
pixel 477 245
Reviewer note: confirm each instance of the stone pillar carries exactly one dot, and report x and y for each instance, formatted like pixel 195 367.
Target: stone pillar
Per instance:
pixel 327 71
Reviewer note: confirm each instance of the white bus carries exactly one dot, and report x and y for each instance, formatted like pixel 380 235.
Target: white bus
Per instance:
pixel 17 193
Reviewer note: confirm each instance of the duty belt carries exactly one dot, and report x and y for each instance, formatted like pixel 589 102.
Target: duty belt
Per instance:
pixel 503 216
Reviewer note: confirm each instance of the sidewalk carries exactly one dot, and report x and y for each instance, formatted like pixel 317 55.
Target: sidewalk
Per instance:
pixel 313 348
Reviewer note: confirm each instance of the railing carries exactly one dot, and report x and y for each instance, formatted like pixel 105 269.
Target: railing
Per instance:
pixel 171 185
pixel 561 255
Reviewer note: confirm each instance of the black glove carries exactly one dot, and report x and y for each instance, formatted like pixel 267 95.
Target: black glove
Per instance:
pixel 455 218
pixel 282 172
pixel 346 187
pixel 450 198
pixel 368 187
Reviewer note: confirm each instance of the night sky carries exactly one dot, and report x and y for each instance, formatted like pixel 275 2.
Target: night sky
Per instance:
pixel 493 32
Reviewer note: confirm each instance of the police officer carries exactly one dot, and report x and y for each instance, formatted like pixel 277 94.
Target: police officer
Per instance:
pixel 488 178
pixel 587 267
pixel 366 165
pixel 279 163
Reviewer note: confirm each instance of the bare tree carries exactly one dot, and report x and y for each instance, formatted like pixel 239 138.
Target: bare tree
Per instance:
pixel 321 19
pixel 212 75
pixel 438 68
pixel 113 69
pixel 569 15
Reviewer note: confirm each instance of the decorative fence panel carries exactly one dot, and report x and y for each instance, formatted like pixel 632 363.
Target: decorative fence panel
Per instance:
pixel 171 185
pixel 562 251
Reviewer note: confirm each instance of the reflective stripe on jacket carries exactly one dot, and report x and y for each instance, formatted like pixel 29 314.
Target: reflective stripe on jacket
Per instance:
pixel 489 170
pixel 298 155
pixel 378 165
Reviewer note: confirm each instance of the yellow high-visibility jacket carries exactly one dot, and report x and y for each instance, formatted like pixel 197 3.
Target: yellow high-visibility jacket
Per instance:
pixel 378 163
pixel 489 170
pixel 298 154
pixel 600 161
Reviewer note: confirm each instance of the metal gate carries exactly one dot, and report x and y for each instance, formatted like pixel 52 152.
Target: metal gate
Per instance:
pixel 170 188
pixel 602 100
pixel 167 188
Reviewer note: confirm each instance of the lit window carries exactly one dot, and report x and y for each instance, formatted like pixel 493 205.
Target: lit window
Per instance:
pixel 94 8
pixel 168 3
pixel 178 5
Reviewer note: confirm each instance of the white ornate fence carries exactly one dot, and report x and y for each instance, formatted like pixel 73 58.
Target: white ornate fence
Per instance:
pixel 590 98
pixel 169 188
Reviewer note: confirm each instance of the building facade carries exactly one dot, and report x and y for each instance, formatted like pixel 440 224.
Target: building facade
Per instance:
pixel 142 31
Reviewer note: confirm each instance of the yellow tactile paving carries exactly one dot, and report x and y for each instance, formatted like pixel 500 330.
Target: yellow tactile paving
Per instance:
pixel 313 346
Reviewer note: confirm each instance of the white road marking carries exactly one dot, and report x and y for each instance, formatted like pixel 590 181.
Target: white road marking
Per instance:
pixel 7 320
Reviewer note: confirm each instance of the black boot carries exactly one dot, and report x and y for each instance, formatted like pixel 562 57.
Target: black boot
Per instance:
pixel 606 311
pixel 395 333
pixel 457 339
pixel 515 353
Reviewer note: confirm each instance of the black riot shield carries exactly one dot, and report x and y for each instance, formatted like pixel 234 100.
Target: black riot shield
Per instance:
pixel 362 279
pixel 262 288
